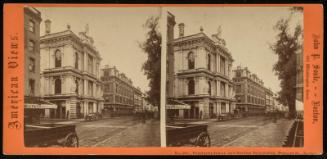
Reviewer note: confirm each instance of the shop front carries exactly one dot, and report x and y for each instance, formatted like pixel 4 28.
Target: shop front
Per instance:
pixel 175 109
pixel 35 109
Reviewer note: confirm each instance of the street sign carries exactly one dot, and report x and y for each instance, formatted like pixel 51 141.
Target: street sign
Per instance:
pixel 178 107
pixel 40 106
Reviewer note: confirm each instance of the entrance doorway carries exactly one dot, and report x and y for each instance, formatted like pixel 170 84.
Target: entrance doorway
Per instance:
pixel 211 115
pixel 194 112
pixel 61 111
pixel 78 110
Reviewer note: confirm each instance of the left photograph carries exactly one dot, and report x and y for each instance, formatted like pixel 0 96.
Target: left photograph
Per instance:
pixel 92 76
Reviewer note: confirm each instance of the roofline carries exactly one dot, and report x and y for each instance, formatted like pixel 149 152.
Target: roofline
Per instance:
pixel 205 36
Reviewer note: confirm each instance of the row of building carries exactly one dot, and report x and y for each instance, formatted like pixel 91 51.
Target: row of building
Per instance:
pixel 201 82
pixel 63 78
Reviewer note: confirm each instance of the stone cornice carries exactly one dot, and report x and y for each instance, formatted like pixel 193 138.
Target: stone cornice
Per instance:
pixel 67 37
pixel 69 71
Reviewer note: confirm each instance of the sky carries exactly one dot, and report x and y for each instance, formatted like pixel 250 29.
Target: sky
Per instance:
pixel 116 33
pixel 248 31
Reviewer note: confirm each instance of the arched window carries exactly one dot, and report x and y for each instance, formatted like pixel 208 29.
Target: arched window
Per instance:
pixel 209 62
pixel 57 58
pixel 209 87
pixel 58 86
pixel 191 60
pixel 191 86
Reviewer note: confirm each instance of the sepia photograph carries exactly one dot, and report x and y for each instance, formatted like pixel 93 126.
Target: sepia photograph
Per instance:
pixel 92 76
pixel 229 79
pixel 234 77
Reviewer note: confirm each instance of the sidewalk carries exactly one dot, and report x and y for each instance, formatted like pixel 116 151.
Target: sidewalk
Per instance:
pixel 204 121
pixel 269 135
pixel 68 121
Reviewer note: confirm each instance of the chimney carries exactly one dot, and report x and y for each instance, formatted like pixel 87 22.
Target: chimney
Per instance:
pixel 181 29
pixel 47 26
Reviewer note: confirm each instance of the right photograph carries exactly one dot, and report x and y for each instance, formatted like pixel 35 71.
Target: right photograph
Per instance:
pixel 234 77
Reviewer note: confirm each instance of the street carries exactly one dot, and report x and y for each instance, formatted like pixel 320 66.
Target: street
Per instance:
pixel 117 132
pixel 255 131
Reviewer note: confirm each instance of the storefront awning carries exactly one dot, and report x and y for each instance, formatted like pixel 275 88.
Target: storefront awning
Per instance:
pixel 40 105
pixel 173 104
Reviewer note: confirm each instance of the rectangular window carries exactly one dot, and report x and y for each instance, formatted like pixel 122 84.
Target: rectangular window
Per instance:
pixel 90 88
pixel 238 74
pixel 111 98
pixel 90 64
pixel 222 89
pixel 223 107
pixel 31 84
pixel 31 65
pixel 222 65
pixel 30 46
pixel 238 88
pixel 76 60
pixel 96 70
pixel 31 26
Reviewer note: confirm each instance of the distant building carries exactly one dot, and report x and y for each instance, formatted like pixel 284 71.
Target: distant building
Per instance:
pixel 147 106
pixel 252 96
pixel 70 75
pixel 270 99
pixel 138 99
pixel 121 97
pixel 199 73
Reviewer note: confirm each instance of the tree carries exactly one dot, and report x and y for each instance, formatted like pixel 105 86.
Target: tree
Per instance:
pixel 152 67
pixel 286 47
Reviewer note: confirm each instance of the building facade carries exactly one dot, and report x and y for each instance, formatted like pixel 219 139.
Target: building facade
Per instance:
pixel 32 101
pixel 119 93
pixel 70 75
pixel 251 95
pixel 200 75
pixel 270 100
pixel 32 20
pixel 138 99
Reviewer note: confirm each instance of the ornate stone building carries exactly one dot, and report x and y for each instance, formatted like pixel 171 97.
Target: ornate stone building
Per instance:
pixel 70 75
pixel 121 97
pixel 252 96
pixel 138 99
pixel 199 73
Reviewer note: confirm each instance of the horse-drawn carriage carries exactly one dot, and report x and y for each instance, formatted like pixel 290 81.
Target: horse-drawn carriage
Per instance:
pixel 188 134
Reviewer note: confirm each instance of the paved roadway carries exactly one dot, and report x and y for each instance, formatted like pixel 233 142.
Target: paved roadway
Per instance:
pixel 118 132
pixel 256 131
